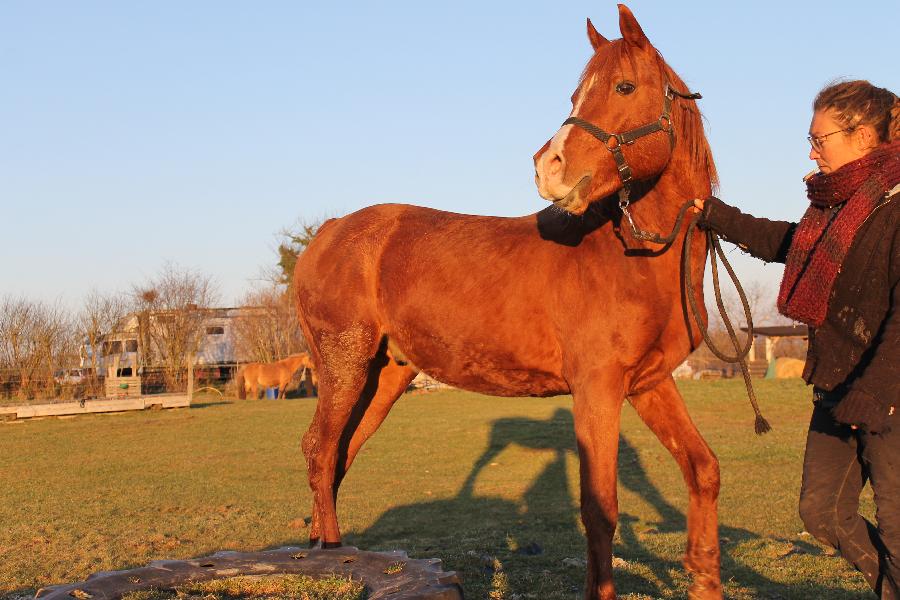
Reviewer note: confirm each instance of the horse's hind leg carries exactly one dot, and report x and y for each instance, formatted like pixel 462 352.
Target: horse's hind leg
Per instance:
pixel 345 375
pixel 393 379
pixel 664 412
pixel 386 381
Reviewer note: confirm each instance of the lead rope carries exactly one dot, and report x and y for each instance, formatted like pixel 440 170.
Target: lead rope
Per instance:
pixel 761 425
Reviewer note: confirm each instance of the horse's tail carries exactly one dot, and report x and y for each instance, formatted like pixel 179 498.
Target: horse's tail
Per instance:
pixel 239 379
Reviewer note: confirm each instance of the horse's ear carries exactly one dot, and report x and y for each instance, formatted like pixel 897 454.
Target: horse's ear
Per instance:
pixel 631 30
pixel 597 40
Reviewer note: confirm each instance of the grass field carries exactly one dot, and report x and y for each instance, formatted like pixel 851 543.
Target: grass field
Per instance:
pixel 488 485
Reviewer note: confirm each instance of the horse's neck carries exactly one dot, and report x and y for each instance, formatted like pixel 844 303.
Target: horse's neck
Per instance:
pixel 657 212
pixel 682 181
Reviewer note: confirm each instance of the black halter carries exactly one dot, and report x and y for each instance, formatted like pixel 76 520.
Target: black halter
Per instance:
pixel 615 141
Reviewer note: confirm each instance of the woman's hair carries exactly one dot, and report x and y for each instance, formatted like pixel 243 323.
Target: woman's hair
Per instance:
pixel 861 103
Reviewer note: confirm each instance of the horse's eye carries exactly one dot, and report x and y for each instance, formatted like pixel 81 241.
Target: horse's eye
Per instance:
pixel 625 87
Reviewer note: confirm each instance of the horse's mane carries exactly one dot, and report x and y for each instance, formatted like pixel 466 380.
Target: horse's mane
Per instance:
pixel 686 115
pixel 692 131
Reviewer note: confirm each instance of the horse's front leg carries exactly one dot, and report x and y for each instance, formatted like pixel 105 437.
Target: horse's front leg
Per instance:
pixel 597 409
pixel 664 412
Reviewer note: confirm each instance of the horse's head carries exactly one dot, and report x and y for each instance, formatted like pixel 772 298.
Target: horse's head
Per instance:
pixel 623 123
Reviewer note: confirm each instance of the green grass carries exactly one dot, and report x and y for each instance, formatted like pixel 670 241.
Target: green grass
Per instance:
pixel 488 485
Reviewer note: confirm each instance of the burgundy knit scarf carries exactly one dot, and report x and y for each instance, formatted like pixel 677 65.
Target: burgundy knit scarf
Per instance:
pixel 839 203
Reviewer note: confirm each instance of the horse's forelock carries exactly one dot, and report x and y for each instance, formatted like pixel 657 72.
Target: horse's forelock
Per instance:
pixel 610 52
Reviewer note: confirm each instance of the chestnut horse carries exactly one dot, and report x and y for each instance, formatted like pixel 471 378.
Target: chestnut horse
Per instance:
pixel 253 376
pixel 558 302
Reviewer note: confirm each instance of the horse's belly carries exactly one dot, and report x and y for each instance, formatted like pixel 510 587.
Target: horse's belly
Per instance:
pixel 503 382
pixel 270 380
pixel 526 371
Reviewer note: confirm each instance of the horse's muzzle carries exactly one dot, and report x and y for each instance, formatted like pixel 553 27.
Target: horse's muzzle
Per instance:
pixel 576 201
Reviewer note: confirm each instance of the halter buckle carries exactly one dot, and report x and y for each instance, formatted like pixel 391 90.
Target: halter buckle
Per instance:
pixel 624 200
pixel 623 206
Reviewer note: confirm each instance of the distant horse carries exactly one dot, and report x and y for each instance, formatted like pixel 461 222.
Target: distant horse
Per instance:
pixel 558 302
pixel 253 376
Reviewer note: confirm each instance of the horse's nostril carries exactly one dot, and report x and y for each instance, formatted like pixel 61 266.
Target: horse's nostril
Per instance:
pixel 555 165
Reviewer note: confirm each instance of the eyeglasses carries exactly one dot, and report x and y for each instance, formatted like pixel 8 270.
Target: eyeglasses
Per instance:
pixel 818 141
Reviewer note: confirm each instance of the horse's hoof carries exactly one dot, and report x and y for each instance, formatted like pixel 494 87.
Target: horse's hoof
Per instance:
pixel 331 545
pixel 315 543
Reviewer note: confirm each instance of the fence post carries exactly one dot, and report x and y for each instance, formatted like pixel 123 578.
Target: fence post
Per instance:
pixel 190 375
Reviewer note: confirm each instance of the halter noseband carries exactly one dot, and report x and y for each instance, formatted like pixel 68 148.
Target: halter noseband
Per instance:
pixel 615 141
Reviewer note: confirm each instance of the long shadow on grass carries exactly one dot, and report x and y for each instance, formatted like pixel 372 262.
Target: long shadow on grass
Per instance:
pixel 538 533
pixel 636 537
pixel 467 531
pixel 210 403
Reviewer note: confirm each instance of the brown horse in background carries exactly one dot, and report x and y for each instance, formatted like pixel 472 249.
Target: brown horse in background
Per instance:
pixel 253 376
pixel 558 302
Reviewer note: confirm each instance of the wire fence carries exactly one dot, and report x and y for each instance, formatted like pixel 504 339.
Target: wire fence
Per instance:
pixel 80 384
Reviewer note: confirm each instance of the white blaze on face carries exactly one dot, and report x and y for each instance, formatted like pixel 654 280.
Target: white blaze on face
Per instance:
pixel 583 93
pixel 559 140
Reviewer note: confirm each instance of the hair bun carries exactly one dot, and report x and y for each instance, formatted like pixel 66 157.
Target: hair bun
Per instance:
pixel 858 103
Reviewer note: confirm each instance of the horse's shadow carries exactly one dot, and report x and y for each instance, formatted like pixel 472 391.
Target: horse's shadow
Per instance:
pixel 209 403
pixel 547 519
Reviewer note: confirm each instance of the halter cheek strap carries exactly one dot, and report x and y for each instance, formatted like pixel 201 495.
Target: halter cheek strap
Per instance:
pixel 615 141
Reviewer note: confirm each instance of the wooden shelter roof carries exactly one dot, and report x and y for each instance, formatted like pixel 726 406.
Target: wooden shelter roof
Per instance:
pixel 796 330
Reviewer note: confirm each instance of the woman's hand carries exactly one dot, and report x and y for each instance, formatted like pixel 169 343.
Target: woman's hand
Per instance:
pixel 698 203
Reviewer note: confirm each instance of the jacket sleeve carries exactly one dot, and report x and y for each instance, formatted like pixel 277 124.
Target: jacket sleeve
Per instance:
pixel 762 238
pixel 874 395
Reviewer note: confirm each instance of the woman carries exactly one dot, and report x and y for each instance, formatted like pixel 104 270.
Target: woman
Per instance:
pixel 842 266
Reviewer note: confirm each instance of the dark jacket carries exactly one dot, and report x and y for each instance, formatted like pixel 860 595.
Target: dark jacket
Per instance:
pixel 857 349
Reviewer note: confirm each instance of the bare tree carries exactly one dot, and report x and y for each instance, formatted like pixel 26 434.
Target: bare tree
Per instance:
pixel 100 315
pixel 57 344
pixel 17 348
pixel 35 341
pixel 267 330
pixel 761 299
pixel 171 310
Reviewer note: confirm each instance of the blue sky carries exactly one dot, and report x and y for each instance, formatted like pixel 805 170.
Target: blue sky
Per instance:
pixel 192 132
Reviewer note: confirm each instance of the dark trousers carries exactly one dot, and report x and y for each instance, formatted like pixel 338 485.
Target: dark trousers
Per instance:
pixel 838 462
